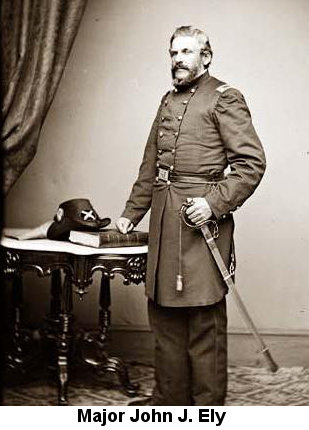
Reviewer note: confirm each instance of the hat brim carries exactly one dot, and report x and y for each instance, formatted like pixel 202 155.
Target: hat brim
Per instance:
pixel 104 222
pixel 61 230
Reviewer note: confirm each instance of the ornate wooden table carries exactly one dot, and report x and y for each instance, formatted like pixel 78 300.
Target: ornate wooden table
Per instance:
pixel 71 268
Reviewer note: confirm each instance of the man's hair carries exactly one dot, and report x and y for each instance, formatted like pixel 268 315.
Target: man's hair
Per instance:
pixel 201 36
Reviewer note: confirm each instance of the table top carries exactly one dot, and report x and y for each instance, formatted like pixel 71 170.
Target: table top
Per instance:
pixel 62 246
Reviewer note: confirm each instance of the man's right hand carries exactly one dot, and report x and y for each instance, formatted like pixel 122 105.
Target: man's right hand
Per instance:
pixel 124 225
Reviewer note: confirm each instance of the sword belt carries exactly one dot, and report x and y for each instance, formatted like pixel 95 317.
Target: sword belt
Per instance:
pixel 166 175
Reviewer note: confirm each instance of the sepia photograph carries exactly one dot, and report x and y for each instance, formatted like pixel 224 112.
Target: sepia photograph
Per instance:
pixel 155 240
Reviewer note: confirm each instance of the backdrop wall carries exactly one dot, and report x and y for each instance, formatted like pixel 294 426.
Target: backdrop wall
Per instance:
pixel 93 139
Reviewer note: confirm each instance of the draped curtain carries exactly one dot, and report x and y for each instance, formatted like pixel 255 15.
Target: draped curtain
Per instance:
pixel 36 39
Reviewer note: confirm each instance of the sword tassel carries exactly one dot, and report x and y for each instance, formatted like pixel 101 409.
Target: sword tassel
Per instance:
pixel 179 277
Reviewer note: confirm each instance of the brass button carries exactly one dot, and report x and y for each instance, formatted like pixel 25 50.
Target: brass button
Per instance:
pixel 185 102
pixel 171 167
pixel 223 216
pixel 158 164
pixel 160 151
pixel 176 133
pixel 162 118
pixel 168 182
pixel 175 90
pixel 173 151
pixel 157 179
pixel 193 90
pixel 161 134
pixel 179 118
pixel 165 102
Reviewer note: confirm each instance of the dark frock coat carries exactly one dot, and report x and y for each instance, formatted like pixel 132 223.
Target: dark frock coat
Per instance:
pixel 200 129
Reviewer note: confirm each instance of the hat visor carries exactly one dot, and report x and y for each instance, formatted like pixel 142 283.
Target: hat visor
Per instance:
pixel 104 222
pixel 61 230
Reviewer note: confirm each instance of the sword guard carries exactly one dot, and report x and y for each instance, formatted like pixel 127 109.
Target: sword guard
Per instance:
pixel 185 217
pixel 190 224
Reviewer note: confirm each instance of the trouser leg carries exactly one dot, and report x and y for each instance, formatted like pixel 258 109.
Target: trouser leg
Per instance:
pixel 207 347
pixel 172 367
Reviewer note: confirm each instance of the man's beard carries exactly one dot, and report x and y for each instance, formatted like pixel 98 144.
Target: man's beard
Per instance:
pixel 192 75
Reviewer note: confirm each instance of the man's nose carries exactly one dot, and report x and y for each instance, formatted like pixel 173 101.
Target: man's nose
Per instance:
pixel 179 58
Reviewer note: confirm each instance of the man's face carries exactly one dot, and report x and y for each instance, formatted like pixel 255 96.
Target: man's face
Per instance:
pixel 187 60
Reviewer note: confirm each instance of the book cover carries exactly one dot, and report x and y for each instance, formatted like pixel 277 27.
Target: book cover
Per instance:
pixel 109 238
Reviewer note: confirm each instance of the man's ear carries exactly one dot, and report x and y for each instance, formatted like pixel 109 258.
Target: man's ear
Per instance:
pixel 206 58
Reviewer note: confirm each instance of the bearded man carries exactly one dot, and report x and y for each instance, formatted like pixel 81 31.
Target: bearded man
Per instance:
pixel 202 126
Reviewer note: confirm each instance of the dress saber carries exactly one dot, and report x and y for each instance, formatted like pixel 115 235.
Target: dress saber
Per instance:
pixel 228 279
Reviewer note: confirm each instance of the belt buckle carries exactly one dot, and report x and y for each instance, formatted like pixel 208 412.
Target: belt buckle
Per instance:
pixel 163 174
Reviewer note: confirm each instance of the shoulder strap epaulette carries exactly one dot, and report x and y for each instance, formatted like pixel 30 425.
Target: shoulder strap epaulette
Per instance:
pixel 223 88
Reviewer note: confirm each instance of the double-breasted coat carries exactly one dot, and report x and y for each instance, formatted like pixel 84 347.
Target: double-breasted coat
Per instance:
pixel 198 130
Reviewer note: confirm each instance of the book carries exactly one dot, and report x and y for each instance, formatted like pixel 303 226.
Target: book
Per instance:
pixel 109 238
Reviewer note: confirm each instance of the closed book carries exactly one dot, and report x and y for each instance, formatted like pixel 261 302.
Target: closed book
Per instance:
pixel 109 238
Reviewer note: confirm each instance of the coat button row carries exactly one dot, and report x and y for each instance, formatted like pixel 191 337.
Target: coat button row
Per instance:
pixel 179 118
pixel 171 167
pixel 160 152
pixel 176 133
pixel 167 182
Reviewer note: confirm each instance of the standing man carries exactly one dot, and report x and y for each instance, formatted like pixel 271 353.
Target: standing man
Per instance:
pixel 202 126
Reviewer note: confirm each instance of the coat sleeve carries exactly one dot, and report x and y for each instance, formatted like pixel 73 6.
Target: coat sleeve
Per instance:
pixel 244 153
pixel 141 195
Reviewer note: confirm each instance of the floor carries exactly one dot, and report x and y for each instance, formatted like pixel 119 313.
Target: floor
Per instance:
pixel 246 386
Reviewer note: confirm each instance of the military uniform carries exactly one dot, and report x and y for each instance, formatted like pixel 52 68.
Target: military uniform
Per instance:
pixel 198 132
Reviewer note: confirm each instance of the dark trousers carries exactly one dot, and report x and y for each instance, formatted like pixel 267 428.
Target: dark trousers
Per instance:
pixel 190 354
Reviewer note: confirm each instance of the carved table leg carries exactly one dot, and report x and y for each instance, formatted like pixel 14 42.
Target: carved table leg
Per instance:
pixel 112 364
pixel 17 355
pixel 50 329
pixel 64 341
pixel 94 347
pixel 104 312
pixel 55 302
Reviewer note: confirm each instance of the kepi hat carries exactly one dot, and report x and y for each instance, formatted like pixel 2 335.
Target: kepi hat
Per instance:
pixel 75 214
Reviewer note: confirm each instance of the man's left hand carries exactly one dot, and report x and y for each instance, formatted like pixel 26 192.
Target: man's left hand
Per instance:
pixel 200 210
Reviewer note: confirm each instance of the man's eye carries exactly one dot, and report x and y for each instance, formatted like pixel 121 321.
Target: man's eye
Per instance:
pixel 186 51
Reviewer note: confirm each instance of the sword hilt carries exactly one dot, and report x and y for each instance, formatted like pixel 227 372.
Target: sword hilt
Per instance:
pixel 185 217
pixel 190 224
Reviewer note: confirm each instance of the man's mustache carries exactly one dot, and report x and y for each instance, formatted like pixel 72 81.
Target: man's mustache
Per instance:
pixel 179 66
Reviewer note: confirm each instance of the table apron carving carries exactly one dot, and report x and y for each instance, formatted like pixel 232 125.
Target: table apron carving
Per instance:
pixel 78 270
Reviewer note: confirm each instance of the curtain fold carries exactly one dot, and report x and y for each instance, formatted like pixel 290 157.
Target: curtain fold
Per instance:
pixel 36 39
